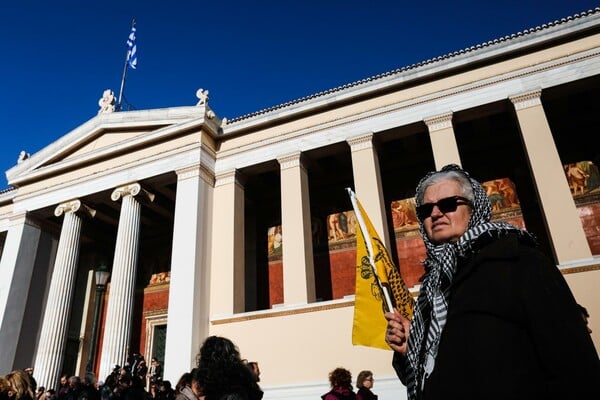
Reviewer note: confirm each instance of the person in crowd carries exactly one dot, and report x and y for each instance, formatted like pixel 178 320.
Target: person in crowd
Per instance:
pixel 255 370
pixel 75 389
pixel 50 394
pixel 183 388
pixel 165 390
pixel 4 388
pixel 141 369
pixel 155 371
pixel 153 390
pixel 20 385
pixel 586 316
pixel 88 387
pixel 495 318
pixel 39 392
pixel 63 387
pixel 364 384
pixel 221 373
pixel 340 380
pixel 29 370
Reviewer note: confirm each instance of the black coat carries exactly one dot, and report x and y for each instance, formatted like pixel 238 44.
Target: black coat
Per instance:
pixel 513 331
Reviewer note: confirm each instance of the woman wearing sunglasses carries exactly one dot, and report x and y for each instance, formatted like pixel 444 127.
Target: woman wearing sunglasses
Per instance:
pixel 494 319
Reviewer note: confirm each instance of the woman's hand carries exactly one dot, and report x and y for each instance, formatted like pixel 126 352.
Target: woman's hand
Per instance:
pixel 396 333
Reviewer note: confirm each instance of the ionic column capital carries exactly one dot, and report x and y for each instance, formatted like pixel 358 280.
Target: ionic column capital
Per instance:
pixel 361 142
pixel 526 100
pixel 439 122
pixel 74 206
pixel 131 189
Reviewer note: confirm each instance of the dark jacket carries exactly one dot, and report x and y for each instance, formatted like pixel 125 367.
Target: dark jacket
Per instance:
pixel 364 393
pixel 513 331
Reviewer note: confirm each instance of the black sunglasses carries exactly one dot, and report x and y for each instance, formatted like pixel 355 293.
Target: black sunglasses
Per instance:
pixel 446 205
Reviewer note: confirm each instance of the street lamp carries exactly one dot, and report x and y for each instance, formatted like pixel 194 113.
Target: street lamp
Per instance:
pixel 102 274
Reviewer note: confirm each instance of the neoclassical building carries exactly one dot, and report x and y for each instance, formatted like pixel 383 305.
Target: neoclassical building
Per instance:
pixel 243 228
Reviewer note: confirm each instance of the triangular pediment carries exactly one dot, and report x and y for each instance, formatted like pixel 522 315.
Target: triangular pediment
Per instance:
pixel 102 135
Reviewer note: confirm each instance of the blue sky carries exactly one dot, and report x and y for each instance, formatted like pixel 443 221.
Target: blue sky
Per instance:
pixel 59 56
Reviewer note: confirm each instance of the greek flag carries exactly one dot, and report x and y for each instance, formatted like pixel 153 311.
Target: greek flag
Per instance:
pixel 132 49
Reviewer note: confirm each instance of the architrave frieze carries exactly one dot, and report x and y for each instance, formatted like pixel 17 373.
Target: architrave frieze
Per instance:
pixel 496 88
pixel 140 170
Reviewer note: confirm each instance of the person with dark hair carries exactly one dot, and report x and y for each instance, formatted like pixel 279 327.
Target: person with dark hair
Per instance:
pixel 183 388
pixel 364 383
pixel 221 374
pixel 586 316
pixel 340 380
pixel 494 318
pixel 255 370
pixel 63 387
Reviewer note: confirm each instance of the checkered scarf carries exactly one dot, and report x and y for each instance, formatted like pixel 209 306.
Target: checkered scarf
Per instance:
pixel 430 313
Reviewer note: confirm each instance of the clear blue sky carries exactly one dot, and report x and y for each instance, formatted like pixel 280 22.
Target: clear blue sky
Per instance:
pixel 58 56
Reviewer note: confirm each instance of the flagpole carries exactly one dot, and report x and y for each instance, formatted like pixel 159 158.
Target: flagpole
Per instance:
pixel 127 56
pixel 369 247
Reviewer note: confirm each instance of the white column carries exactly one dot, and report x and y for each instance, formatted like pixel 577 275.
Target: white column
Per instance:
pixel 51 347
pixel 16 267
pixel 367 183
pixel 297 250
pixel 443 141
pixel 188 317
pixel 564 226
pixel 117 330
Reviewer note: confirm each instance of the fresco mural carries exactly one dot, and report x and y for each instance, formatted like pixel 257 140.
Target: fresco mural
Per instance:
pixel 584 182
pixel 341 226
pixel 274 240
pixel 583 177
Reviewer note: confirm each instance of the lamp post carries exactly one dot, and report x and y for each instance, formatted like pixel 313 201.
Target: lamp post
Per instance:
pixel 102 275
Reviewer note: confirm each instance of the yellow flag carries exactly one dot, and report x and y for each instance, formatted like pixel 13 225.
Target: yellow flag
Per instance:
pixel 379 286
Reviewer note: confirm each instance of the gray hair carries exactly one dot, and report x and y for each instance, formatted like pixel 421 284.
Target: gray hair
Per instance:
pixel 451 175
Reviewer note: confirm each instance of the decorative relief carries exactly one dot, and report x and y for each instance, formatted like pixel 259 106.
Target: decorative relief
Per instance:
pixel 361 142
pixel 132 189
pixel 527 100
pixel 439 122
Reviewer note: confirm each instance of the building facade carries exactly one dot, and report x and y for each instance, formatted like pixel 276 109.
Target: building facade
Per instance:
pixel 242 227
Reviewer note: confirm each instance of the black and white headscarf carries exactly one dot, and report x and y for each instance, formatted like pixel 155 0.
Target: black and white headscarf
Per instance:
pixel 431 309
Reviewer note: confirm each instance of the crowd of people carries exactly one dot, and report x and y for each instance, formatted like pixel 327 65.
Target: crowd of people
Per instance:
pixel 340 380
pixel 220 374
